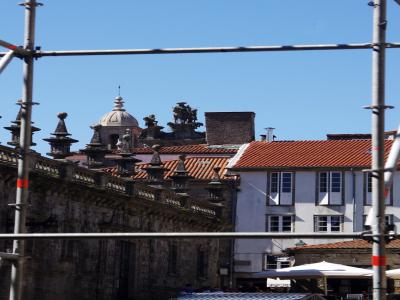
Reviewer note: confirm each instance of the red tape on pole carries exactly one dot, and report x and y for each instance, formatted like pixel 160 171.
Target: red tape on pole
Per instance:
pixel 12 47
pixel 379 261
pixel 22 183
pixel 386 193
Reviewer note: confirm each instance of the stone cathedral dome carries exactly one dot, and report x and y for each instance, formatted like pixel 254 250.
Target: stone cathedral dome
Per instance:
pixel 118 116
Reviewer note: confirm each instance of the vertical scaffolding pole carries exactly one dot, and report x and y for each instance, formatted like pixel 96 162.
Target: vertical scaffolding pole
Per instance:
pixel 17 269
pixel 378 140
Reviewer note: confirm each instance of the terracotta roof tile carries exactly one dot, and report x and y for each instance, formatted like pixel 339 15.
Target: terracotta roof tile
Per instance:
pixel 355 244
pixel 200 168
pixel 308 154
pixel 191 149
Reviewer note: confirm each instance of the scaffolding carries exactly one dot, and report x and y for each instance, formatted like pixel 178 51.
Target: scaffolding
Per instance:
pixel 381 175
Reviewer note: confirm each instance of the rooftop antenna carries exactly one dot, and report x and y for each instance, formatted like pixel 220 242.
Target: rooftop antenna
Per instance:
pixel 119 91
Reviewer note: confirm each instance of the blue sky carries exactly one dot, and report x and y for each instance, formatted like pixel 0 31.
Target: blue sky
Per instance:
pixel 304 95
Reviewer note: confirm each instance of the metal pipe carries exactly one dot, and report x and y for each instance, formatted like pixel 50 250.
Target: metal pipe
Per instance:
pixel 6 60
pixel 152 235
pixel 21 202
pixel 378 144
pixel 18 50
pixel 209 49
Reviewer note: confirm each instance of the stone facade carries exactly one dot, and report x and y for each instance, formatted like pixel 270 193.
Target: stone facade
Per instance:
pixel 68 198
pixel 229 127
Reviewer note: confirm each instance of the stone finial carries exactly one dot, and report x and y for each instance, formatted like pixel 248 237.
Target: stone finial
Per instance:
pixel 126 162
pixel 95 151
pixel 61 129
pixel 215 191
pixel 60 142
pixel 181 177
pixel 156 159
pixel 15 129
pixel 155 172
pixel 96 138
pixel 216 177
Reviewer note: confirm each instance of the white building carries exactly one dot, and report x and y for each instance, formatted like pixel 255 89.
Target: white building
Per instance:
pixel 301 186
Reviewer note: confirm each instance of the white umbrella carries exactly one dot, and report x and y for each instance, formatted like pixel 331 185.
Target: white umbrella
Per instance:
pixel 321 269
pixel 394 274
pixel 317 270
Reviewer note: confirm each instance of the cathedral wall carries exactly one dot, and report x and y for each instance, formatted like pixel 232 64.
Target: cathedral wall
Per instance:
pixel 103 269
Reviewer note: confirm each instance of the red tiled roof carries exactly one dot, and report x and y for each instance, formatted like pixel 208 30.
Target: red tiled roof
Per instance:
pixel 355 244
pixel 189 149
pixel 308 154
pixel 200 168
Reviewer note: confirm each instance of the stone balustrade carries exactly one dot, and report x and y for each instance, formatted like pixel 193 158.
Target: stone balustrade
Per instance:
pixel 96 179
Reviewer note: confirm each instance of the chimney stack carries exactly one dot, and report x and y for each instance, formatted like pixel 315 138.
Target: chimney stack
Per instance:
pixel 269 134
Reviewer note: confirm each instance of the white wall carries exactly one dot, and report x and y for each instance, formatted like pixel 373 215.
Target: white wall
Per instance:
pixel 252 211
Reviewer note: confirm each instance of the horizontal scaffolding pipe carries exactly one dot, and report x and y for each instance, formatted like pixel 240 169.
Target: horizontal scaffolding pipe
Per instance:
pixel 208 50
pixel 174 235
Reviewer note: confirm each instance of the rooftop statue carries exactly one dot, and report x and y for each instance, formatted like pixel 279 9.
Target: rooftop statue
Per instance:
pixel 184 114
pixel 150 121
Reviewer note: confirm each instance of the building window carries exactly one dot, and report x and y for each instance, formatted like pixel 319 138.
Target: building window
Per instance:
pixel 368 191
pixel 330 188
pixel 328 223
pixel 274 182
pixel 172 259
pixel 286 182
pixel 272 262
pixel 389 220
pixel 202 264
pixel 336 182
pixel 279 223
pixel 281 188
pixel 369 182
pixel 323 182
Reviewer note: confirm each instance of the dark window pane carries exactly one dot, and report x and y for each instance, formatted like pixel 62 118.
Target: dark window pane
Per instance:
pixel 271 262
pixel 274 182
pixel 336 223
pixel 274 223
pixel 284 264
pixel 287 223
pixel 323 182
pixel 336 182
pixel 286 182
pixel 369 183
pixel 321 223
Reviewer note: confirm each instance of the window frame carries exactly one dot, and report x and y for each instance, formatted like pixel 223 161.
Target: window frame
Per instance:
pixel 275 262
pixel 389 219
pixel 280 222
pixel 329 223
pixel 367 191
pixel 328 188
pixel 275 187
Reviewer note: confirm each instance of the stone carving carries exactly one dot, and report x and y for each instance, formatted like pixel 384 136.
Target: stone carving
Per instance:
pixel 183 127
pixel 184 114
pixel 150 121
pixel 185 121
